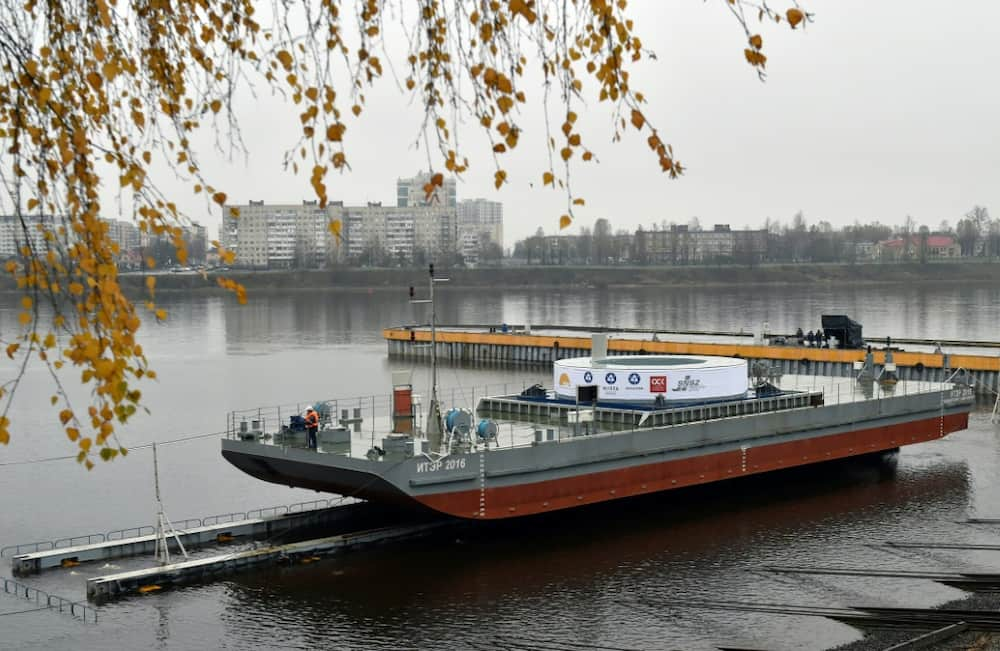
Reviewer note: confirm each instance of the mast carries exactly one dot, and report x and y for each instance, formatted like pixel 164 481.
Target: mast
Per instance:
pixel 164 528
pixel 434 359
pixel 435 428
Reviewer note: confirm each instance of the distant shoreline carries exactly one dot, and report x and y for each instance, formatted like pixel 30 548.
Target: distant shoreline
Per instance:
pixel 550 277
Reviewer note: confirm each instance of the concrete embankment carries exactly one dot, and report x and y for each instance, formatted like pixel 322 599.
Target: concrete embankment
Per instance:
pixel 351 279
pixel 579 277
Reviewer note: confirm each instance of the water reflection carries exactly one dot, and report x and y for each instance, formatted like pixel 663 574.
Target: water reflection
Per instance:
pixel 316 318
pixel 578 575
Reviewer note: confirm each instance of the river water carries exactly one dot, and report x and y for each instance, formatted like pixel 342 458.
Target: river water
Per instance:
pixel 625 575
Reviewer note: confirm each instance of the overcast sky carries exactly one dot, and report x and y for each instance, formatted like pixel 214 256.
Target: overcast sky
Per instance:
pixel 878 110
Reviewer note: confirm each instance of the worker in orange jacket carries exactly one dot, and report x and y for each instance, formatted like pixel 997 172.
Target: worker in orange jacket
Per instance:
pixel 312 426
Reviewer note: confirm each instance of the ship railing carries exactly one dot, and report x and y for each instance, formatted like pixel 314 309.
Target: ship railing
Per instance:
pixel 537 423
pixel 359 413
pixel 622 419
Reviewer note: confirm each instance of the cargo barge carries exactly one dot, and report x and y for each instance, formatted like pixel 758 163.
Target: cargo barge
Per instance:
pixel 609 428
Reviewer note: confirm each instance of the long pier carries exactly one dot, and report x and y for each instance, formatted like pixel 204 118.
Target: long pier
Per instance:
pixel 476 345
pixel 191 538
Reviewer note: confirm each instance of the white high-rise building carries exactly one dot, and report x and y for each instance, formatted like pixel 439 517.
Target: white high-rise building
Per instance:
pixel 125 234
pixel 386 235
pixel 14 234
pixel 275 236
pixel 411 192
pixel 480 222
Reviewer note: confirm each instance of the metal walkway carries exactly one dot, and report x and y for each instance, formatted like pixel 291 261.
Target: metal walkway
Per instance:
pixel 33 562
pixel 104 588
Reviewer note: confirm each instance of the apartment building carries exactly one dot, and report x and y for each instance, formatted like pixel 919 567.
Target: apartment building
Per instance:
pixel 15 232
pixel 276 236
pixel 480 222
pixel 380 235
pixel 417 229
pixel 412 192
pixel 680 245
pixel 124 234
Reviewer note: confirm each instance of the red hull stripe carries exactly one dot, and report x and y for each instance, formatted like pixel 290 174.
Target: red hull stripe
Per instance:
pixel 555 494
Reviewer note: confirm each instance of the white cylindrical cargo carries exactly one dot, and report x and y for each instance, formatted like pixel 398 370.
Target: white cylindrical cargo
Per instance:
pixel 643 378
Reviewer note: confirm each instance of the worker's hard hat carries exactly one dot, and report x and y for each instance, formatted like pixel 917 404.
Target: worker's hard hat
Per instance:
pixel 309 407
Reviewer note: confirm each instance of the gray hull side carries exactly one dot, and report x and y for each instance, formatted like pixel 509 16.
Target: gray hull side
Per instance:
pixel 583 455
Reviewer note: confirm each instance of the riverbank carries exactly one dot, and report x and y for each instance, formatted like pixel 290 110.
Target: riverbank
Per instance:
pixel 593 277
pixel 576 277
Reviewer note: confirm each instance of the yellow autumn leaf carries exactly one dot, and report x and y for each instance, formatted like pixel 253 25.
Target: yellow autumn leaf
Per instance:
pixel 565 221
pixel 547 178
pixel 794 17
pixel 637 119
pixel 335 227
pixel 578 202
pixel 756 41
pixel 335 132
pixel 161 314
pixel 65 416
pixel 219 198
pixel 216 106
pixel 285 57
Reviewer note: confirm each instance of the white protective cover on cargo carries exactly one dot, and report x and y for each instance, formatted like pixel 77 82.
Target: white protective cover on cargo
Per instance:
pixel 641 378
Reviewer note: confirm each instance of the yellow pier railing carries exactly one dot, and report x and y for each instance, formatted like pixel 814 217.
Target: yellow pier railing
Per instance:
pixel 751 351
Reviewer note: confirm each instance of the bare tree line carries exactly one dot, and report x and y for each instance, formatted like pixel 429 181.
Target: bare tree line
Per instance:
pixel 974 235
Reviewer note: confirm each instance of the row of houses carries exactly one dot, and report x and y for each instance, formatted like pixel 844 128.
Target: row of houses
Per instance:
pixel 419 227
pixel 681 245
pixel 134 245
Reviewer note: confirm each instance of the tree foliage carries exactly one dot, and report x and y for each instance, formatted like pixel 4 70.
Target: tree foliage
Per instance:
pixel 101 94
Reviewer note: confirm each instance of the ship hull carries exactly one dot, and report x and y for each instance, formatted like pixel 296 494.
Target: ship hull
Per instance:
pixel 516 482
pixel 553 495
